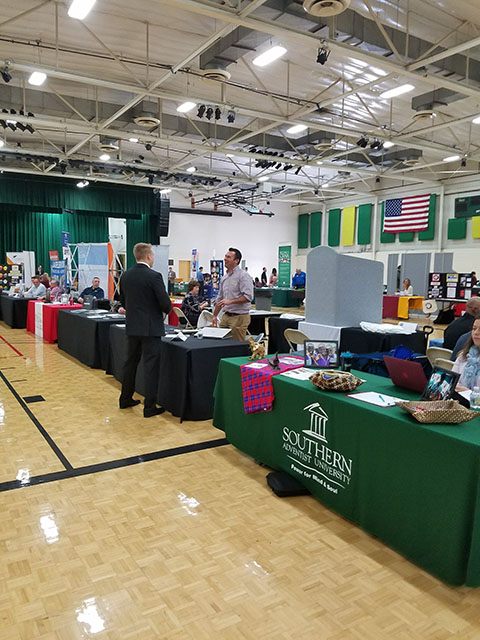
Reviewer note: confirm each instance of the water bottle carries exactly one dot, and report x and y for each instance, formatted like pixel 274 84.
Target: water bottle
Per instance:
pixel 475 399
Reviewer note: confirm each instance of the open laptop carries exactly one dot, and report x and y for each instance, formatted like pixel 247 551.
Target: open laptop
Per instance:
pixel 406 373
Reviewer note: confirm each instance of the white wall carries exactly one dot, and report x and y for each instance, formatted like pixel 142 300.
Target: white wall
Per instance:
pixel 256 236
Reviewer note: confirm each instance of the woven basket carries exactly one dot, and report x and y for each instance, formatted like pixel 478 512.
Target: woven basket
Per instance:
pixel 439 411
pixel 335 380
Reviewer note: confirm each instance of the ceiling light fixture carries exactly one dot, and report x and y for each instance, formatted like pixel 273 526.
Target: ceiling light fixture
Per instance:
pixel 209 113
pixel 104 157
pixel 319 162
pixel 322 55
pixel 37 78
pixel 397 91
pixel 218 113
pixel 297 128
pixel 388 144
pixel 2 143
pixel 451 158
pixel 263 178
pixel 201 111
pixel 191 169
pixel 79 9
pixel 231 116
pixel 164 192
pixel 476 120
pixel 133 139
pixel 269 56
pixel 362 142
pixel 325 185
pixel 82 184
pixel 229 155
pixel 6 75
pixel 186 106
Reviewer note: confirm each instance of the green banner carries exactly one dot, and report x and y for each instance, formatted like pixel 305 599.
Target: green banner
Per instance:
pixel 284 265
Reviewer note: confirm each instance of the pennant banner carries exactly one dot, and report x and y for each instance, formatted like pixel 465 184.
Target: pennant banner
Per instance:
pixel 348 226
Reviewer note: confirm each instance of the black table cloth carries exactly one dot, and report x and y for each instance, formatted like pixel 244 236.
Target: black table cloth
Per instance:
pixel 257 321
pixel 14 311
pixel 86 338
pixel 276 339
pixel 188 371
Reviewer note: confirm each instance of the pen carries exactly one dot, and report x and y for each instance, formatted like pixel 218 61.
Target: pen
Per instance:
pixel 382 399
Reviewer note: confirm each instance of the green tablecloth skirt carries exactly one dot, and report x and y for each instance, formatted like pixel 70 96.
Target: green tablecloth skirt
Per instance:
pixel 414 486
pixel 285 298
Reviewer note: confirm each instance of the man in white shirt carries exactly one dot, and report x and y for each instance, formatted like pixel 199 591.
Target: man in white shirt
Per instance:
pixel 37 290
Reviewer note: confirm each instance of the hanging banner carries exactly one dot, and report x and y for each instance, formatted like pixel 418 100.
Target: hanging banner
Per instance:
pixel 216 273
pixel 194 265
pixel 284 265
pixel 57 272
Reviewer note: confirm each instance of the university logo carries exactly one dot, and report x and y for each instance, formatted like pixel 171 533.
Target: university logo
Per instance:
pixel 311 457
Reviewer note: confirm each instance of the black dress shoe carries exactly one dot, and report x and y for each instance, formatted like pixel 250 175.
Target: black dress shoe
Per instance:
pixel 129 403
pixel 148 413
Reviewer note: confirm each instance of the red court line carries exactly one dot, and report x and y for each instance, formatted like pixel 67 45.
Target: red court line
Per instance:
pixel 11 346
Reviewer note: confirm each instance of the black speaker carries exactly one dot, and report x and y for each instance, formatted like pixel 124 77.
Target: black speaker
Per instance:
pixel 162 213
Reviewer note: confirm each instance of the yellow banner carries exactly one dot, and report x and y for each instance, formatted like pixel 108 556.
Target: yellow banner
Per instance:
pixel 476 227
pixel 348 226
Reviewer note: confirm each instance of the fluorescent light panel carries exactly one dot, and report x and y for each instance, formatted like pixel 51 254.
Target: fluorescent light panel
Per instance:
pixel 451 159
pixel 297 128
pixel 133 139
pixel 387 144
pixel 397 91
pixel 37 78
pixel 186 106
pixel 269 56
pixel 80 9
pixel 263 178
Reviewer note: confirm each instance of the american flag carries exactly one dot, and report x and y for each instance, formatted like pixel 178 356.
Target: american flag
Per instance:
pixel 406 214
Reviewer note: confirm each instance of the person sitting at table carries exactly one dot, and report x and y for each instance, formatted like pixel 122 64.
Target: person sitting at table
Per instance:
pixel 273 278
pixel 461 325
pixel 193 304
pixel 407 288
pixel 45 280
pixel 95 290
pixel 55 290
pixel 37 290
pixel 299 279
pixel 468 362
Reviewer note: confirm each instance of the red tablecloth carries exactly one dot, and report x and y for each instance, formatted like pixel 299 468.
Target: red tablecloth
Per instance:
pixel 43 321
pixel 257 382
pixel 172 318
pixel 390 307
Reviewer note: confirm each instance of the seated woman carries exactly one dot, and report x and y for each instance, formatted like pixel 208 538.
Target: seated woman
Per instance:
pixel 468 362
pixel 192 305
pixel 273 278
pixel 407 288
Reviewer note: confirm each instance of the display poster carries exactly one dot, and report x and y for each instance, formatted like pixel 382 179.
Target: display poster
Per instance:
pixel 194 265
pixel 10 275
pixel 450 285
pixel 67 256
pixel 57 272
pixel 284 265
pixel 216 273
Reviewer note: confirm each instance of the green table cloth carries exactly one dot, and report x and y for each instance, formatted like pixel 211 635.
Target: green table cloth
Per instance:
pixel 285 298
pixel 414 486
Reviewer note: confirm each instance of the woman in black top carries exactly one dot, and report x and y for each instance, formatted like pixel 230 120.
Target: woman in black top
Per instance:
pixel 192 305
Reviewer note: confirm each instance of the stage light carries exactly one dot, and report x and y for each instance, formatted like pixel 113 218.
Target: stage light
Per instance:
pixel 322 55
pixel 397 91
pixel 209 113
pixel 63 168
pixel 79 9
pixel 37 78
pixel 231 116
pixel 6 75
pixel 218 113
pixel 201 111
pixel 104 157
pixel 150 179
pixel 21 126
pixel 12 124
pixel 269 56
pixel 191 169
pixel 186 106
pixel 377 144
pixel 297 170
pixel 362 142
pixel 278 166
pixel 3 124
pixel 82 184
pixel 148 146
pixel 287 167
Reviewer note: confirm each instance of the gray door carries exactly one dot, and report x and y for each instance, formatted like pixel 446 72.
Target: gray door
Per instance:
pixel 416 267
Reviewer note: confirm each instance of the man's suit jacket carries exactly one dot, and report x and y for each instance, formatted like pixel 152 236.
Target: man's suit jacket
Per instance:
pixel 143 295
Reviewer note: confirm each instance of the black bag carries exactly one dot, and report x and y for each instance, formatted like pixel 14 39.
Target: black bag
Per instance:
pixel 284 486
pixel 446 316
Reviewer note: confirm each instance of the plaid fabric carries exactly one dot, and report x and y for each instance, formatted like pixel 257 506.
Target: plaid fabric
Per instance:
pixel 257 384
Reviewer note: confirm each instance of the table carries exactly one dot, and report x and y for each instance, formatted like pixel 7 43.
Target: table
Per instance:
pixel 85 336
pixel 414 486
pixel 14 311
pixel 257 320
pixel 188 371
pixel 42 318
pixel 352 339
pixel 287 297
pixel 399 306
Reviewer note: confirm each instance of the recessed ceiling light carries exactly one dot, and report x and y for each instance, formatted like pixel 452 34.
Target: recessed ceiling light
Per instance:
pixel 397 91
pixel 297 128
pixel 164 191
pixel 269 56
pixel 387 144
pixel 263 178
pixel 186 106
pixel 133 139
pixel 79 9
pixel 104 157
pixel 37 78
pixel 476 120
pixel 191 169
pixel 451 158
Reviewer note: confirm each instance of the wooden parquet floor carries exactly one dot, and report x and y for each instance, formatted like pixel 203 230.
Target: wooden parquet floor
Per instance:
pixel 189 546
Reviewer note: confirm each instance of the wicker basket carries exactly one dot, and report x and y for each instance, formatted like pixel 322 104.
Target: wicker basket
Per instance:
pixel 335 380
pixel 439 411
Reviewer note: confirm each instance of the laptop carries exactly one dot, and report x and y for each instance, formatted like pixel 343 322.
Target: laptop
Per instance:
pixel 406 373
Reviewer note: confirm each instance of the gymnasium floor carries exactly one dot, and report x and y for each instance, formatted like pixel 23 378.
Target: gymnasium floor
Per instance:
pixel 186 543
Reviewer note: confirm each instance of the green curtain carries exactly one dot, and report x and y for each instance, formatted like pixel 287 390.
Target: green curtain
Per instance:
pixel 143 229
pixel 334 217
pixel 364 225
pixel 303 223
pixel 316 229
pixel 41 232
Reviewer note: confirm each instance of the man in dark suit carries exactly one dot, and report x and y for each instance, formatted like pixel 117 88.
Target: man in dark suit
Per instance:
pixel 145 300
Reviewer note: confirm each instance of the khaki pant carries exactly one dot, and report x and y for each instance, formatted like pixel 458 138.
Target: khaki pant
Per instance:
pixel 237 323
